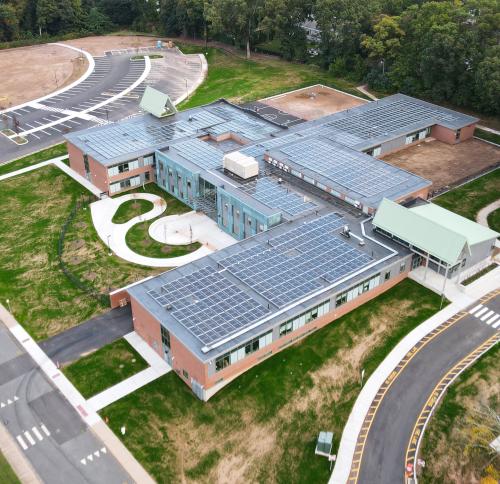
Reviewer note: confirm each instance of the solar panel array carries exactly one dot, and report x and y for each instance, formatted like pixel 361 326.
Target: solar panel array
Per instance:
pixel 298 262
pixel 209 305
pixel 373 120
pixel 353 170
pixel 260 148
pixel 269 192
pixel 200 153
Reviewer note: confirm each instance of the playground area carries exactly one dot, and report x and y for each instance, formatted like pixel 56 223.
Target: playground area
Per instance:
pixel 52 66
pixel 313 102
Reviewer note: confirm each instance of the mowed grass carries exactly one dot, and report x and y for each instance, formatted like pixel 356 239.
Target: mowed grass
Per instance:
pixel 130 209
pixel 240 80
pixel 455 446
pixel 263 426
pixel 487 135
pixel 106 367
pixel 7 475
pixel 43 155
pixel 468 199
pixel 494 219
pixel 139 240
pixel 33 211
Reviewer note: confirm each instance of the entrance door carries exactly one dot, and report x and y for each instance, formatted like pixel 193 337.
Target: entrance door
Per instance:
pixel 416 261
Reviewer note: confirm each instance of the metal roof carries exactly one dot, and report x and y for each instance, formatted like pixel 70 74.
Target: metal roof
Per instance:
pixel 420 232
pixel 157 103
pixel 472 231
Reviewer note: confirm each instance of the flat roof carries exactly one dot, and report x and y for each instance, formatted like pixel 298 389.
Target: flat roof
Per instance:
pixel 235 294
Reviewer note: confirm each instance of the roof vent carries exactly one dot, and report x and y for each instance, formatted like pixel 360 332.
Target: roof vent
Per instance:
pixel 168 307
pixel 346 232
pixel 362 243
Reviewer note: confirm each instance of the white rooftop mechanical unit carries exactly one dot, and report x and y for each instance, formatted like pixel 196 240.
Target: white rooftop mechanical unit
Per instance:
pixel 241 165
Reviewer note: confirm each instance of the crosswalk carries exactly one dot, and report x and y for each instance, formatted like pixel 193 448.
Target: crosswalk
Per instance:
pixel 486 315
pixel 26 437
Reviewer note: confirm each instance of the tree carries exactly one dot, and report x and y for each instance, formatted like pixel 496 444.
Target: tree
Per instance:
pixel 237 18
pixel 56 16
pixel 487 82
pixel 97 22
pixel 9 24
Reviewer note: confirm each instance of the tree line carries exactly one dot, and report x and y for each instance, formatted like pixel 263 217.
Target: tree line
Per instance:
pixel 442 50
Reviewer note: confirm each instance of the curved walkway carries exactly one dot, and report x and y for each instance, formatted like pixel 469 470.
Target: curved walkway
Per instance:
pixel 482 215
pixel 113 235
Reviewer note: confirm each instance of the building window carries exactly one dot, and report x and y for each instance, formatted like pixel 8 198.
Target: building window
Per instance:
pixel 457 134
pixel 356 291
pixel 304 318
pixel 86 163
pixel 165 337
pixel 387 276
pixel 244 350
pixel 148 160
pixel 402 267
pixel 185 374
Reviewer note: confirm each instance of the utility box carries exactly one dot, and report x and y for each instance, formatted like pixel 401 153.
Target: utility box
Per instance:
pixel 241 165
pixel 324 444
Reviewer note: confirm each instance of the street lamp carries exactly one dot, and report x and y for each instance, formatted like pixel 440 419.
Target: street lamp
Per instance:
pixel 8 304
pixel 109 247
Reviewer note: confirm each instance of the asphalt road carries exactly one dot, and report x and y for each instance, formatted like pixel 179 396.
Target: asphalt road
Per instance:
pixel 58 444
pixel 95 333
pixel 383 459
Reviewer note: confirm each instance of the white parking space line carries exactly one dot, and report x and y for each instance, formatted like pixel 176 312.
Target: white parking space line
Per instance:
pixel 482 311
pixel 493 318
pixel 45 430
pixel 21 442
pixel 29 125
pixel 72 121
pixel 23 110
pixel 37 433
pixel 55 129
pixel 29 438
pixel 487 315
pixel 33 134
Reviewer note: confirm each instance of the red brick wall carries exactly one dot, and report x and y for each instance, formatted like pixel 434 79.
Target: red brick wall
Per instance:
pixel 183 359
pixel 98 172
pixel 448 135
pixel 147 326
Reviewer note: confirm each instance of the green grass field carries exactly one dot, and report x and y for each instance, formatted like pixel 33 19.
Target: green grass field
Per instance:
pixel 494 220
pixel 43 155
pixel 455 445
pixel 131 209
pixel 487 135
pixel 7 475
pixel 263 426
pixel 240 80
pixel 106 367
pixel 468 199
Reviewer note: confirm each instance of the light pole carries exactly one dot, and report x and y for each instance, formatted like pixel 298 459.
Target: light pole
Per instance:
pixel 8 304
pixel 109 247
pixel 362 376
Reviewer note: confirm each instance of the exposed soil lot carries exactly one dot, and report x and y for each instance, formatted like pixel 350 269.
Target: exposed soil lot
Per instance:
pixel 313 102
pixel 97 45
pixel 31 72
pixel 446 164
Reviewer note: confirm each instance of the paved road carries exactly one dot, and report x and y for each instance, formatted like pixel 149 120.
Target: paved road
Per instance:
pixel 383 458
pixel 58 444
pixel 95 333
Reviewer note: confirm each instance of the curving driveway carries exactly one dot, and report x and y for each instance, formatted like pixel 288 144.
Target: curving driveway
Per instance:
pixel 113 235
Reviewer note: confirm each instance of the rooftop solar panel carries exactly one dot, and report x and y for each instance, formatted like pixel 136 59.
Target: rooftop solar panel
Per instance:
pixel 208 304
pixel 200 153
pixel 266 190
pixel 298 262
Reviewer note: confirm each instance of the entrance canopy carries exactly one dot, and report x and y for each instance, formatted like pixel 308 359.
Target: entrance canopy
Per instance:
pixel 157 103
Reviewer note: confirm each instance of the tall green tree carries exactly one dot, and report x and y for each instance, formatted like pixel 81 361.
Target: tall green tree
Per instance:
pixel 9 23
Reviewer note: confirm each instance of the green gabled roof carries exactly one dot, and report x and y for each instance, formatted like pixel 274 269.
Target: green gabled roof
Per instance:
pixel 419 231
pixel 472 231
pixel 157 103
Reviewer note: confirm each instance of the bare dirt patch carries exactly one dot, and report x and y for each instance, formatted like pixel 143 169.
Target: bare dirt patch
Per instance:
pixel 313 102
pixel 98 45
pixel 32 72
pixel 446 164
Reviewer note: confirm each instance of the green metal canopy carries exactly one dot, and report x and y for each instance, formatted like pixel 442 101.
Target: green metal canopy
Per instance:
pixel 157 103
pixel 423 233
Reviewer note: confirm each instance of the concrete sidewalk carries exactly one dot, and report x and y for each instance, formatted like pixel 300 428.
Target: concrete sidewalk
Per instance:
pixel 73 396
pixel 482 215
pixel 358 413
pixel 157 368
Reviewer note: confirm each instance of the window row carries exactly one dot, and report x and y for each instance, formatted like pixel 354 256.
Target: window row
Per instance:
pixel 244 350
pixel 356 291
pixel 124 184
pixel 304 318
pixel 123 168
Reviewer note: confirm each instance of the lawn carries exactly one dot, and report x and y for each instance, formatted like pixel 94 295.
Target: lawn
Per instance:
pixel 43 155
pixel 494 219
pixel 7 475
pixel 487 135
pixel 479 274
pixel 468 199
pixel 34 208
pixel 455 446
pixel 263 426
pixel 138 238
pixel 240 80
pixel 131 209
pixel 106 367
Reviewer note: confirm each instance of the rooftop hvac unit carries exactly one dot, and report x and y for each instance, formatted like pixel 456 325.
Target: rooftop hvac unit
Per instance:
pixel 241 165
